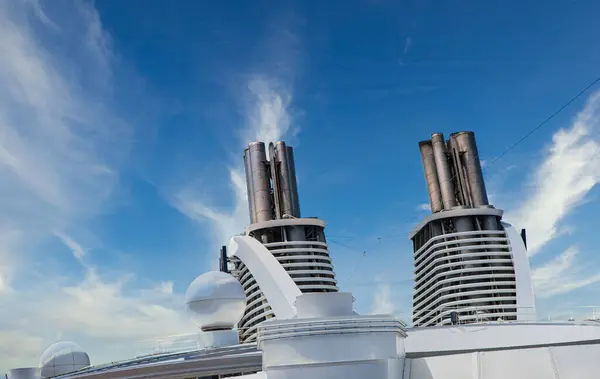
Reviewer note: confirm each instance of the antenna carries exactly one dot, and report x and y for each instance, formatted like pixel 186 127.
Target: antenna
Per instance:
pixel 524 237
pixel 223 260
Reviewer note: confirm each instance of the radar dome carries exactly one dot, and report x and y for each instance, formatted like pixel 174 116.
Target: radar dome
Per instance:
pixel 61 358
pixel 216 301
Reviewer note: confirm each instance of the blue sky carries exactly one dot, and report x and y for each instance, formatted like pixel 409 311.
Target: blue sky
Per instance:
pixel 122 128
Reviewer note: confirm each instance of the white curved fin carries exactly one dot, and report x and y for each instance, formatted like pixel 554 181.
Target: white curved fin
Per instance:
pixel 526 310
pixel 274 282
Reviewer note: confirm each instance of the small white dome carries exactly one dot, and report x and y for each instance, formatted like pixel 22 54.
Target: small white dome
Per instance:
pixel 61 358
pixel 216 300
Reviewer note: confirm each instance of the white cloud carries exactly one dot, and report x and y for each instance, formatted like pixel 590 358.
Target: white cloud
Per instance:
pixel 407 45
pixel 569 171
pixel 26 351
pixel 106 317
pixel 265 104
pixel 267 111
pixel 424 207
pixel 10 238
pixel 382 300
pixel 105 310
pixel 62 144
pixel 47 122
pixel 561 275
pixel 224 222
pixel 77 250
pixel 268 119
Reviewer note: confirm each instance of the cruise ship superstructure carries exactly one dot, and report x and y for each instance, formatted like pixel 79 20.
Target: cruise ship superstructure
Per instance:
pixel 297 243
pixel 468 264
pixel 274 311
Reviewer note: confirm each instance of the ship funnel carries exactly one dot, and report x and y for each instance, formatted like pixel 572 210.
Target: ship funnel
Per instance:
pixel 453 172
pixel 467 229
pixel 271 182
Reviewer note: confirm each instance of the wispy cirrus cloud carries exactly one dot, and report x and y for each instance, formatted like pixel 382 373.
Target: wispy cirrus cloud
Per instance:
pixel 105 316
pixel 78 251
pixel 63 140
pixel 382 299
pixel 407 45
pixel 568 172
pixel 224 223
pixel 563 274
pixel 59 149
pixel 425 207
pixel 266 105
pixel 268 119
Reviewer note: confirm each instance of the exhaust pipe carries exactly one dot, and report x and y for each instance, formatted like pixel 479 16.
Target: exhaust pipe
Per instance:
pixel 249 187
pixel 293 183
pixel 275 181
pixel 263 210
pixel 443 170
pixel 287 206
pixel 470 155
pixel 431 176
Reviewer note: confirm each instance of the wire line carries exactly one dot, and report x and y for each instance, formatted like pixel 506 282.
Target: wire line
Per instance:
pixel 547 119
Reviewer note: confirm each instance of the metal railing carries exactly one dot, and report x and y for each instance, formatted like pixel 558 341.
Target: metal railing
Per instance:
pixel 170 344
pixel 504 313
pixel 466 315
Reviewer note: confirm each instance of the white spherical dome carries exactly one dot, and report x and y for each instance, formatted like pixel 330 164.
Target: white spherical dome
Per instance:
pixel 61 358
pixel 216 300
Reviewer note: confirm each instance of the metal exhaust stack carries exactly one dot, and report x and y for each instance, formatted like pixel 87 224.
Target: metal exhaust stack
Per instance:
pixel 443 171
pixel 271 183
pixel 275 181
pixel 453 172
pixel 431 176
pixel 285 180
pixel 249 186
pixel 470 156
pixel 293 183
pixel 262 203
